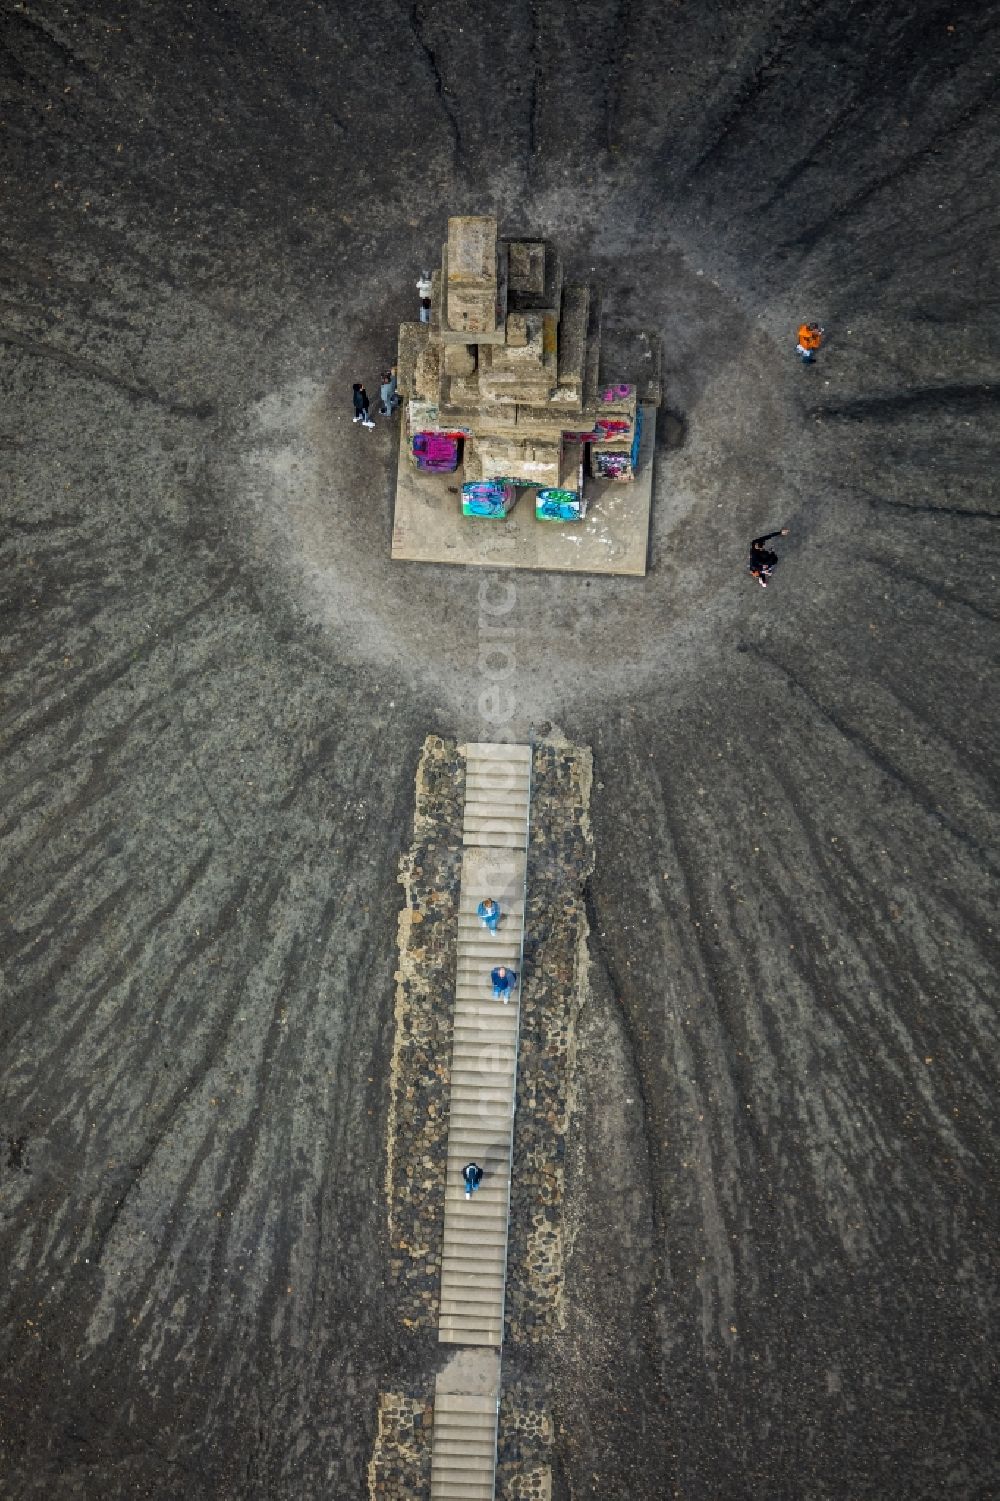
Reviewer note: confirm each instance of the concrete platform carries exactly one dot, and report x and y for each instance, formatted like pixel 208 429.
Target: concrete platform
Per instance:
pixel 429 527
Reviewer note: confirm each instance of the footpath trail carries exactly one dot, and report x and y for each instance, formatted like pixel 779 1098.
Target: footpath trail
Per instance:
pixel 483 1089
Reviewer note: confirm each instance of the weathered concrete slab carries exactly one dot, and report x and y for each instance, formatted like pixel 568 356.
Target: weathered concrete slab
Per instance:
pixel 429 527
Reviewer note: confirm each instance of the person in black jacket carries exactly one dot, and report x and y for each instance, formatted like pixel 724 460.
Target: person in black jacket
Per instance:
pixel 762 559
pixel 361 406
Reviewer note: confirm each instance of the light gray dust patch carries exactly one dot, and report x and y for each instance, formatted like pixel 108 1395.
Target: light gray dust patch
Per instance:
pixel 316 494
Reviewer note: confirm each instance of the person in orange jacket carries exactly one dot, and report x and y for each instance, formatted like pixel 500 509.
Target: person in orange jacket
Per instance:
pixel 810 338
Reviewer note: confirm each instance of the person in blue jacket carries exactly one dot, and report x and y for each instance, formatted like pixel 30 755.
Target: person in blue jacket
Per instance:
pixel 489 911
pixel 504 980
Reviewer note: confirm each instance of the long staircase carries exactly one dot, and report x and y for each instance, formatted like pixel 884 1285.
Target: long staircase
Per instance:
pixel 483 1085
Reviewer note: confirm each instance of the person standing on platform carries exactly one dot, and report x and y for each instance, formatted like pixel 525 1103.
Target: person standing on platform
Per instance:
pixel 424 295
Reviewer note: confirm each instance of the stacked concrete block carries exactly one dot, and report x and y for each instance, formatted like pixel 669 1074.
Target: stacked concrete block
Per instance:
pixel 412 341
pixel 517 330
pixel 501 420
pixel 573 325
pixel 474 276
pixel 537 286
pixel 532 463
pixel 527 266
pixel 459 359
pixel 510 357
pixel 427 376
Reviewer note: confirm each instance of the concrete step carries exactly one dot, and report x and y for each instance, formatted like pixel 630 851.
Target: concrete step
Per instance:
pixel 472 1486
pixel 492 1155
pixel 471 971
pixel 464 1482
pixel 487 1197
pixel 484 1090
pixel 470 1083
pixel 490 1066
pixel 478 1328
pixel 513 800
pixel 489 750
pixel 468 1488
pixel 473 937
pixel 493 814
pixel 467 1227
pixel 496 1020
pixel 493 1103
pixel 480 958
pixel 450 1333
pixel 476 977
pixel 511 906
pixel 472 988
pixel 505 888
pixel 474 839
pixel 495 1025
pixel 472 1236
pixel 475 1046
pixel 488 1261
pixel 475 1213
pixel 480 1074
pixel 483 1116
pixel 465 1402
pixel 450 1453
pixel 495 834
pixel 494 792
pixel 475 1035
pixel 470 927
pixel 474 943
pixel 470 1428
pixel 473 1042
pixel 456 1424
pixel 470 968
pixel 501 790
pixel 492 1018
pixel 479 1244
pixel 485 1306
pixel 486 1026
pixel 473 1108
pixel 491 1271
pixel 473 1125
pixel 476 1146
pixel 471 994
pixel 475 1007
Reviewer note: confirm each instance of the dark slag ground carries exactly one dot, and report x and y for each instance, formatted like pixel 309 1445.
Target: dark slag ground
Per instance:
pixel 215 689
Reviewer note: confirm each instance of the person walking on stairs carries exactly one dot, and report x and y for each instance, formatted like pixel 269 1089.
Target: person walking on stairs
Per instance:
pixel 504 980
pixel 489 911
pixel 762 559
pixel 472 1175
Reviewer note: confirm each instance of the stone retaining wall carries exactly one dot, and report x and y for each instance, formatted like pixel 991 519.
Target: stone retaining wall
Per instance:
pixel 400 1466
pixel 430 874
